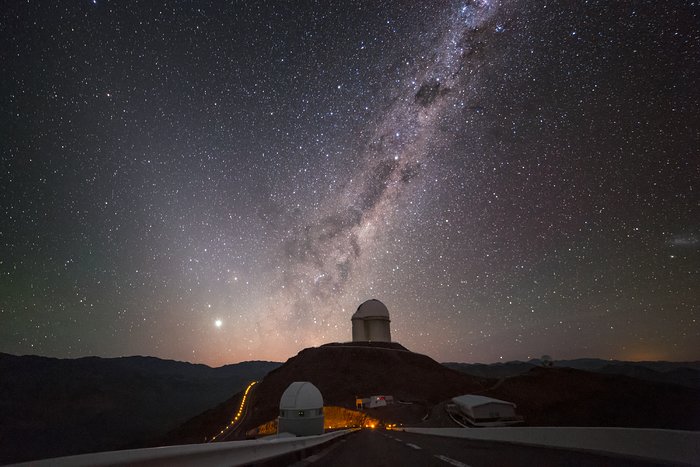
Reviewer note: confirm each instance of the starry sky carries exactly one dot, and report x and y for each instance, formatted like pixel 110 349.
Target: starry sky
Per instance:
pixel 216 181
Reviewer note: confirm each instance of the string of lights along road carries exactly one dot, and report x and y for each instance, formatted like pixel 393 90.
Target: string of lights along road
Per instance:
pixel 239 413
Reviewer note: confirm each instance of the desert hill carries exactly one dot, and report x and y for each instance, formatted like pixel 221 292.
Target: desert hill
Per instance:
pixel 571 397
pixel 53 407
pixel 341 372
pixel 545 396
pixel 680 373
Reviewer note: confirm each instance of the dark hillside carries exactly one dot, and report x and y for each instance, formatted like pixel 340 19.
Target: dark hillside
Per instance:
pixel 52 407
pixel 570 397
pixel 342 372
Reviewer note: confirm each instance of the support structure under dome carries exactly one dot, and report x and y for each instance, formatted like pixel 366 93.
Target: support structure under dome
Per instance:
pixel 371 322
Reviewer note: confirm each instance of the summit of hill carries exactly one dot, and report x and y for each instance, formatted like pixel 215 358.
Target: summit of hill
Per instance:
pixel 343 372
pixel 421 388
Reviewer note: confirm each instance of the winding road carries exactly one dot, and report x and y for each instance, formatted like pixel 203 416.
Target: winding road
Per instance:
pixel 239 417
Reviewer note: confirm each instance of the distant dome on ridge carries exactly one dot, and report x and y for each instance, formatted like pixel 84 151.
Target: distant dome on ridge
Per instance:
pixel 370 323
pixel 372 309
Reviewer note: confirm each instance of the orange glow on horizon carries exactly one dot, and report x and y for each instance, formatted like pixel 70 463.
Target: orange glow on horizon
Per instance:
pixel 642 353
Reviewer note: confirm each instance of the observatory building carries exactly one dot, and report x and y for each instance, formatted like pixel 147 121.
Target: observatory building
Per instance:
pixel 370 323
pixel 301 410
pixel 483 411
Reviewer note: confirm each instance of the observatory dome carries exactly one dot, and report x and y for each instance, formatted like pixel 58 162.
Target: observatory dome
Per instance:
pixel 372 309
pixel 301 410
pixel 370 323
pixel 301 395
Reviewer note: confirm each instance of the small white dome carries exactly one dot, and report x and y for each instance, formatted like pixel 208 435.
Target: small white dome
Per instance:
pixel 371 309
pixel 301 395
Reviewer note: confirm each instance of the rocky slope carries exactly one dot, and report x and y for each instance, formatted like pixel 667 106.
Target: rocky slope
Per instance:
pixel 570 397
pixel 54 407
pixel 545 396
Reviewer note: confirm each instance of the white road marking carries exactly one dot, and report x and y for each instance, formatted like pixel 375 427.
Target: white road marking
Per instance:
pixel 413 446
pixel 451 461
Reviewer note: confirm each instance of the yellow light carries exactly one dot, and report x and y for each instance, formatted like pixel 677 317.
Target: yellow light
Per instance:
pixel 240 408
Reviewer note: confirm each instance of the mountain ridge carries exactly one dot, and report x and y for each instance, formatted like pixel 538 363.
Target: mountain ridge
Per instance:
pixel 51 407
pixel 679 373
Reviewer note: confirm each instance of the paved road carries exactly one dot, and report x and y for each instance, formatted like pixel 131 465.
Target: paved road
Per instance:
pixel 230 431
pixel 368 448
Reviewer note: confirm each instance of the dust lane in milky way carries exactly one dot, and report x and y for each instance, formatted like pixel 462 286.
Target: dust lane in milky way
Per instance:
pixel 323 254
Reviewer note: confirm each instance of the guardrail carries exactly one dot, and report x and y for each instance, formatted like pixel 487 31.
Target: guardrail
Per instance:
pixel 230 453
pixel 675 446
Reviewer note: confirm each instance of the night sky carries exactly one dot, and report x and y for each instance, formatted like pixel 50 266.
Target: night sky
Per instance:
pixel 217 181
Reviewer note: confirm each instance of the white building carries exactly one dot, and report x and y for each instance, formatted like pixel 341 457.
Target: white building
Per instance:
pixel 373 402
pixel 370 323
pixel 485 411
pixel 301 410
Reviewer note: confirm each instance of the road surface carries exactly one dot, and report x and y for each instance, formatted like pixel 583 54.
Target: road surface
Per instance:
pixel 368 448
pixel 238 417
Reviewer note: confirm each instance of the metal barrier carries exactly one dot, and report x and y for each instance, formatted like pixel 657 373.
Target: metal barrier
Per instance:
pixel 673 446
pixel 231 453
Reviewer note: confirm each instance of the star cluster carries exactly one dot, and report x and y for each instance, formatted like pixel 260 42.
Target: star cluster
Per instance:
pixel 224 181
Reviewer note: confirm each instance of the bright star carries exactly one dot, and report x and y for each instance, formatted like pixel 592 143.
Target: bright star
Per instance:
pixel 218 323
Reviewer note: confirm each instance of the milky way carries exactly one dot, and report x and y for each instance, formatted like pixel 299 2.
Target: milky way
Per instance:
pixel 221 182
pixel 323 254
